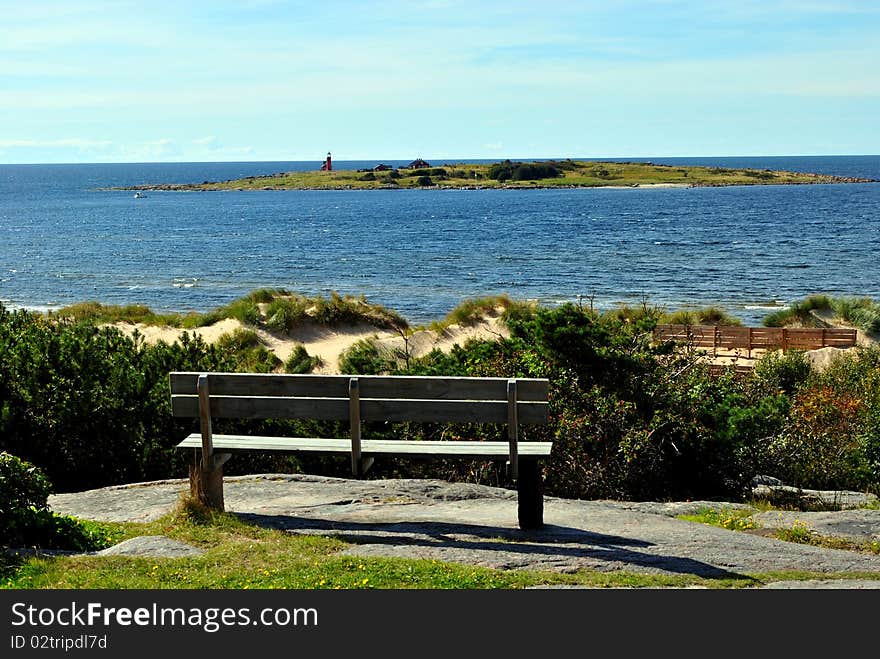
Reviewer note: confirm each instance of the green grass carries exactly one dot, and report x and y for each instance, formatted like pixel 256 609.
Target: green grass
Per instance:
pixel 732 519
pixel 239 555
pixel 741 520
pixel 802 534
pixel 574 173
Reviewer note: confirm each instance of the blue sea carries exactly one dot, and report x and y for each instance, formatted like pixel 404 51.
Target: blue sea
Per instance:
pixel 747 248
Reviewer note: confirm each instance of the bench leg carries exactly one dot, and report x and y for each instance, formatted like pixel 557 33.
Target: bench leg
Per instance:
pixel 206 485
pixel 530 497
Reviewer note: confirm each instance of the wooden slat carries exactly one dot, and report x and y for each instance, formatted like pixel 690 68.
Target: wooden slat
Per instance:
pixel 803 338
pixel 336 386
pixel 766 337
pixel 410 448
pixel 427 411
pixel 245 407
pixel 732 338
pixel 699 336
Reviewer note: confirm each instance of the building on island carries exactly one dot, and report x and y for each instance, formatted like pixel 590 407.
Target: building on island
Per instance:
pixel 327 166
pixel 418 163
pixel 381 168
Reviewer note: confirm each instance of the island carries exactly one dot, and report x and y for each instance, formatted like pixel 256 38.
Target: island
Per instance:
pixel 509 174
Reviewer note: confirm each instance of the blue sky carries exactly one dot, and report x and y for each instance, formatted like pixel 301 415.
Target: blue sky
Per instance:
pixel 95 81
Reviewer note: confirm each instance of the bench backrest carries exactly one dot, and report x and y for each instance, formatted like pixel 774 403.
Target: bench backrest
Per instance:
pixel 358 399
pixel 381 398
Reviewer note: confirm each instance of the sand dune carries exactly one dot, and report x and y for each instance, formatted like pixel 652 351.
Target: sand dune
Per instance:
pixel 329 342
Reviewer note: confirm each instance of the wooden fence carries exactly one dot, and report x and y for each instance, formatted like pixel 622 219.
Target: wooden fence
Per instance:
pixel 756 338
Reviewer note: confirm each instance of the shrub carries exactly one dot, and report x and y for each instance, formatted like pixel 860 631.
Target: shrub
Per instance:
pixel 300 361
pixel 364 358
pixel 517 171
pixel 424 181
pixel 369 176
pixel 245 348
pixel 785 372
pixel 25 517
pixel 821 447
pixel 24 490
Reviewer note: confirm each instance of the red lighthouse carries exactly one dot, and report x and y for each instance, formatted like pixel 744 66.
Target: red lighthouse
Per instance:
pixel 328 165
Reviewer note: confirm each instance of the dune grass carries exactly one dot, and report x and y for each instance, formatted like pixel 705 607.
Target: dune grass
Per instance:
pixel 473 310
pixel 273 309
pixel 97 313
pixel 711 315
pixel 799 313
pixel 860 312
pixel 863 312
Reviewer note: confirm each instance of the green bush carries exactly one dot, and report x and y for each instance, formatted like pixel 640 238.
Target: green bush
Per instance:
pixel 424 181
pixel 364 358
pixel 25 517
pixel 23 494
pixel 244 348
pixel 300 361
pixel 781 372
pixel 518 171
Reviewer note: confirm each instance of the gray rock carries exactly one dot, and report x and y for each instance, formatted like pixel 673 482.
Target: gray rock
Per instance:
pixel 477 525
pixel 762 479
pixel 157 546
pixel 787 496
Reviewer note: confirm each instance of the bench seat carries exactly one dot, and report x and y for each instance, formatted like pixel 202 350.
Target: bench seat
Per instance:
pixel 410 448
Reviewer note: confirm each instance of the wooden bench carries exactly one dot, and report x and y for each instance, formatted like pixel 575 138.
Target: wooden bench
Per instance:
pixel 360 399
